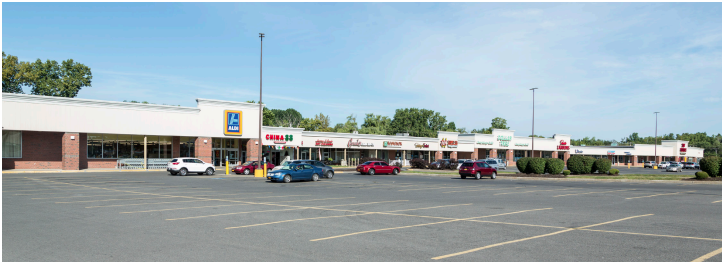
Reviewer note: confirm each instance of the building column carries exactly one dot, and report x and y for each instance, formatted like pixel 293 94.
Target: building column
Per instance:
pixel 554 154
pixel 145 153
pixel 439 155
pixel 634 161
pixel 493 153
pixel 70 151
pixel 202 150
pixel 566 156
pixel 454 155
pixel 175 147
pixel 510 157
pixel 658 159
pixel 474 155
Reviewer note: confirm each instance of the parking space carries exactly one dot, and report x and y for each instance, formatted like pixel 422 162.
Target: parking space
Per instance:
pixel 156 217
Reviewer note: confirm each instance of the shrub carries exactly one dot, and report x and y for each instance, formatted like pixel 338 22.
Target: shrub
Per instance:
pixel 576 164
pixel 701 175
pixel 613 172
pixel 536 166
pixel 554 166
pixel 589 164
pixel 602 165
pixel 711 165
pixel 521 164
pixel 566 172
pixel 418 163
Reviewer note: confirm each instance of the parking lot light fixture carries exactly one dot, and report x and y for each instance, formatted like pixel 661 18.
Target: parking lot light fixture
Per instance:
pixel 533 99
pixel 656 136
pixel 259 148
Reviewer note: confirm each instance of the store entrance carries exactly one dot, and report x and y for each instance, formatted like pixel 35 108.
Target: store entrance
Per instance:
pixel 220 155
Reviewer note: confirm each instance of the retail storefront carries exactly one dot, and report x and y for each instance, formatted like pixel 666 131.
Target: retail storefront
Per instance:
pixel 41 132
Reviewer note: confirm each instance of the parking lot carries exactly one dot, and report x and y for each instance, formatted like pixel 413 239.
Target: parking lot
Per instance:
pixel 152 216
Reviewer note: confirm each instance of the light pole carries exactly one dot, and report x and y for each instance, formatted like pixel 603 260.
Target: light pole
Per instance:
pixel 533 97
pixel 656 136
pixel 259 153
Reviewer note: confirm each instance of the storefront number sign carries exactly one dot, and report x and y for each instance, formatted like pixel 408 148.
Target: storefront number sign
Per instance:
pixel 357 143
pixel 392 144
pixel 503 141
pixel 562 145
pixel 325 142
pixel 449 143
pixel 279 139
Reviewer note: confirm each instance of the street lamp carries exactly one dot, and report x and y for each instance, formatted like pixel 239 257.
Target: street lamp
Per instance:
pixel 259 153
pixel 533 97
pixel 656 136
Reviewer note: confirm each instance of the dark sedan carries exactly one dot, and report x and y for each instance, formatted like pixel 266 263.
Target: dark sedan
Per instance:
pixel 441 164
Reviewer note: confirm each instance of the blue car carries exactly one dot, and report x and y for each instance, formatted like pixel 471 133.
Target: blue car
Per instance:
pixel 295 172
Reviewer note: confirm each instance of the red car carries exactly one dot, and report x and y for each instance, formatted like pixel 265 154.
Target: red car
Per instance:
pixel 372 167
pixel 477 169
pixel 249 167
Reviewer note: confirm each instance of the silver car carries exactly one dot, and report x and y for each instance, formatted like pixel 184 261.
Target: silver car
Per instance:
pixel 674 167
pixel 493 163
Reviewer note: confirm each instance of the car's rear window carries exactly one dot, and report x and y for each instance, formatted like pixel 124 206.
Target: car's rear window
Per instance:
pixel 368 163
pixel 467 164
pixel 174 160
pixel 491 161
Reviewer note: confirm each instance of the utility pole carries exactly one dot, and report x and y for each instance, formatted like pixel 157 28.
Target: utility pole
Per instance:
pixel 259 153
pixel 533 97
pixel 656 136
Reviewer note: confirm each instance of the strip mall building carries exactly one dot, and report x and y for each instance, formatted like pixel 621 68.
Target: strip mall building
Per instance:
pixel 42 132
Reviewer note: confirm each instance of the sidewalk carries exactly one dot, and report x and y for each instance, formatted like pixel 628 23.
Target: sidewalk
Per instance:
pixel 72 171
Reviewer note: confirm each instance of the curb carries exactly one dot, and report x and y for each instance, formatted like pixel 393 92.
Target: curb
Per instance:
pixel 503 176
pixel 76 171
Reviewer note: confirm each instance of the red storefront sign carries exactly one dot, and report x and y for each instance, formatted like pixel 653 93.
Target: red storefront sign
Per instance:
pixel 325 142
pixel 562 145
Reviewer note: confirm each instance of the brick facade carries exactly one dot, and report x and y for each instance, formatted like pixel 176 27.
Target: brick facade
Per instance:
pixel 252 150
pixel 40 150
pixel 175 147
pixel 71 151
pixel 454 155
pixel 510 158
pixel 202 150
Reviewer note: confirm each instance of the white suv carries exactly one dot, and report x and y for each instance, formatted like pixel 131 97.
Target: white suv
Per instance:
pixel 182 166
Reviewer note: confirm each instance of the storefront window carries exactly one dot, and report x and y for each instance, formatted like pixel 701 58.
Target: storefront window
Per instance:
pixel 521 153
pixel 110 144
pixel 216 143
pixel 137 147
pixel 125 146
pixel 12 144
pixel 95 146
pixel 187 146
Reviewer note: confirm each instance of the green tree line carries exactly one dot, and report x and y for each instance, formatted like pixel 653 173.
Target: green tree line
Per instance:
pixel 48 78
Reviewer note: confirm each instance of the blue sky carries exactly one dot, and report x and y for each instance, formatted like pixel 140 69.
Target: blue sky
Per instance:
pixel 602 69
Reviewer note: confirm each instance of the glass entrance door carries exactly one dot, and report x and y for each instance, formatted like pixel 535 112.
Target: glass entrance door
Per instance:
pixel 216 157
pixel 233 156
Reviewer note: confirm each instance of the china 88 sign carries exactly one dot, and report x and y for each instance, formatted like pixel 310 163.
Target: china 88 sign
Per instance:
pixel 232 122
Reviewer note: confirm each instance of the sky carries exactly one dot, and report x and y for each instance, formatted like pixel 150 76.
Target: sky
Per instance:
pixel 602 69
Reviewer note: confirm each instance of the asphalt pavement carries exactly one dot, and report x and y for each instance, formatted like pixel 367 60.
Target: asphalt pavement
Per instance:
pixel 152 216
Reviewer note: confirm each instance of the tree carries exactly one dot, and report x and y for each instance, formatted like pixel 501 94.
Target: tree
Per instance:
pixel 451 127
pixel 286 118
pixel 319 123
pixel 13 72
pixel 45 78
pixel 268 117
pixel 375 124
pixel 499 123
pixel 418 122
pixel 348 127
pixel 461 130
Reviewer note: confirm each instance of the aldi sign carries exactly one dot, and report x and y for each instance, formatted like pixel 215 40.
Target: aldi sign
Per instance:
pixel 232 122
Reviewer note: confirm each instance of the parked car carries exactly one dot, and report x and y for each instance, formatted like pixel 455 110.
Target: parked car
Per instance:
pixel 493 163
pixel 373 167
pixel 249 167
pixel 182 166
pixel 649 164
pixel 663 164
pixel 673 167
pixel 441 164
pixel 295 172
pixel 688 165
pixel 327 171
pixel 678 164
pixel 502 164
pixel 461 161
pixel 477 169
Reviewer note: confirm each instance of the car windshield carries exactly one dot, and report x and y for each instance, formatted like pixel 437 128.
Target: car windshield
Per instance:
pixel 247 163
pixel 283 167
pixel 467 164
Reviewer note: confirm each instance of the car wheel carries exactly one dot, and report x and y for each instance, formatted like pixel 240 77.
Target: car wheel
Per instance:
pixel 329 175
pixel 395 171
pixel 315 177
pixel 287 179
pixel 371 172
pixel 246 171
pixel 183 171
pixel 209 171
pixel 493 176
pixel 174 173
pixel 463 177
pixel 478 175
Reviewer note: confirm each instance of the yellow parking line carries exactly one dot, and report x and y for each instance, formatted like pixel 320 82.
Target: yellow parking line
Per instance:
pixel 86 189
pixel 507 223
pixel 198 199
pixel 708 255
pixel 426 224
pixel 529 238
pixel 717 201
pixel 184 208
pixel 659 195
pixel 434 188
pixel 643 234
pixel 593 192
pixel 539 191
pixel 322 199
pixel 114 200
pixel 335 216
pixel 235 213
pixel 487 189
pixel 68 197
